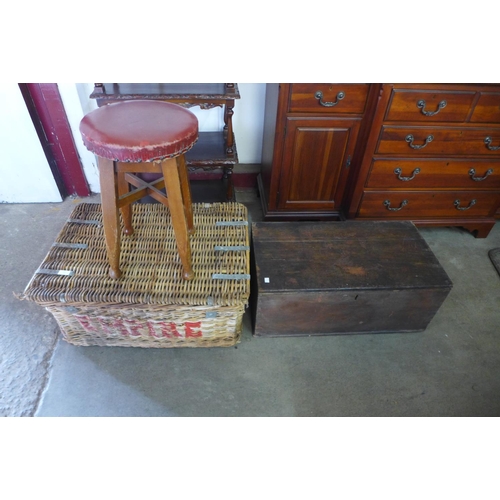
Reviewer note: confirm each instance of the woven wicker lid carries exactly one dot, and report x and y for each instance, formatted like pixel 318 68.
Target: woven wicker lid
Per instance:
pixel 75 270
pixel 137 131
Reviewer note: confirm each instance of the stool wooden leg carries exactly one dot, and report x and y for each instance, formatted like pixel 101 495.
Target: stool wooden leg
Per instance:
pixel 186 192
pixel 110 215
pixel 175 203
pixel 123 188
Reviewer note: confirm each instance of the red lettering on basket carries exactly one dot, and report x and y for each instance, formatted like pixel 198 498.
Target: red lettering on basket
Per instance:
pixel 85 322
pixel 111 325
pixel 162 329
pixel 190 332
pixel 152 331
pixel 131 328
pixel 169 330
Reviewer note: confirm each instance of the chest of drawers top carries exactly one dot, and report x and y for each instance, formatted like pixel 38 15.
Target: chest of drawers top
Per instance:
pixel 441 120
pixel 448 103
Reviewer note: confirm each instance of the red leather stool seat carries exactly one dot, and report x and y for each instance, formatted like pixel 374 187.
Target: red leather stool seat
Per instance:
pixel 139 131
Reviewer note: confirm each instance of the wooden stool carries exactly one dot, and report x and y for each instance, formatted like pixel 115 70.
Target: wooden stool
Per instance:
pixel 142 137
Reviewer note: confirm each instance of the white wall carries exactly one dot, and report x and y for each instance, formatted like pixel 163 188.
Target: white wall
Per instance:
pixel 25 173
pixel 77 104
pixel 248 120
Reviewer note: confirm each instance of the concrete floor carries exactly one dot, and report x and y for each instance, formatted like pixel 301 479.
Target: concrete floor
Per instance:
pixel 451 369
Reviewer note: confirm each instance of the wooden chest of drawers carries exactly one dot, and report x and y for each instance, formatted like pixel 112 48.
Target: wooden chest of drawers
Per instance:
pixel 432 156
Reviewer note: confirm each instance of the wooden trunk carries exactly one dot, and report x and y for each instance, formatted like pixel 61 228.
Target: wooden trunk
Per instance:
pixel 321 278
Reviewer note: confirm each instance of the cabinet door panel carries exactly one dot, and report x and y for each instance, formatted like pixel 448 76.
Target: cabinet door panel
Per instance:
pixel 315 162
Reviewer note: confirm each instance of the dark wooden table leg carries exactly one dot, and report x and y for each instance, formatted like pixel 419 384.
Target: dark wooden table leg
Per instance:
pixel 110 214
pixel 228 128
pixel 176 205
pixel 228 178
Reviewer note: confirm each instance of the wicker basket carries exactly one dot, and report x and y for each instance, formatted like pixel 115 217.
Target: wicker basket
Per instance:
pixel 151 305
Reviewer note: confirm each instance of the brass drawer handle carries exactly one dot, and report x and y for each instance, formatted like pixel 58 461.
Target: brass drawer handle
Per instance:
pixel 421 106
pixel 319 96
pixel 387 204
pixel 488 140
pixel 472 173
pixel 398 171
pixel 409 139
pixel 458 207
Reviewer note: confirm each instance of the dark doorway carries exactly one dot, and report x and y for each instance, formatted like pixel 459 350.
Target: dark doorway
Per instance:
pixel 49 118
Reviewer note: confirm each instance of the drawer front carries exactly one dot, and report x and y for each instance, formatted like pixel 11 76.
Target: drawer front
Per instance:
pixel 487 109
pixel 430 174
pixel 429 106
pixel 421 204
pixel 428 141
pixel 332 98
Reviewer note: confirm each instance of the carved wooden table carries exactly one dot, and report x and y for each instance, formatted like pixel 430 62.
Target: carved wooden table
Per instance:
pixel 214 150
